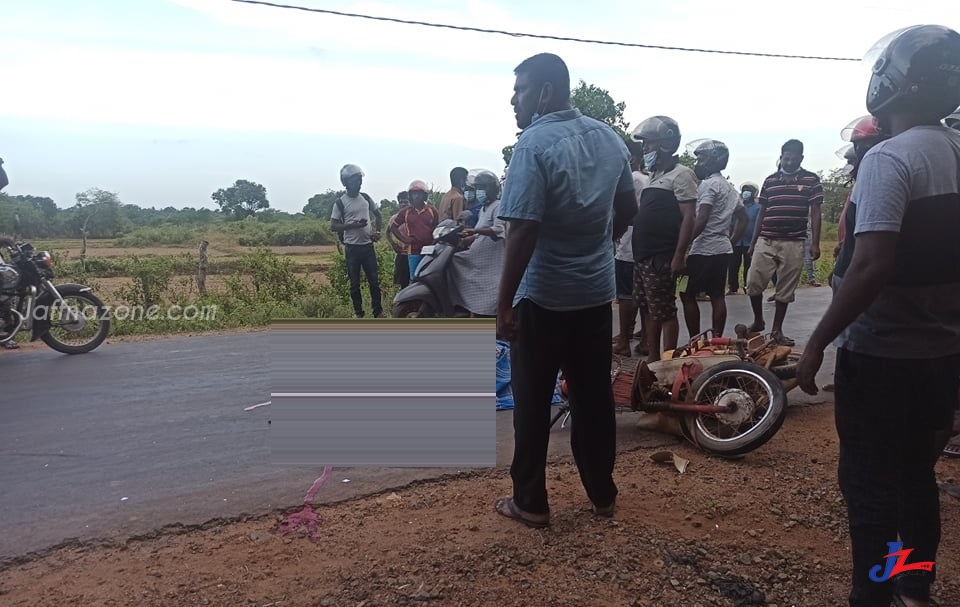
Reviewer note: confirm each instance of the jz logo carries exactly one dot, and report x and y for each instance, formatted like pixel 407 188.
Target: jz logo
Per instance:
pixel 896 564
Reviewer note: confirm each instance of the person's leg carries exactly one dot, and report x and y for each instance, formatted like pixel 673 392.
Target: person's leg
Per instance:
pixel 586 366
pixel 696 266
pixel 746 267
pixel 714 287
pixel 627 312
pixel 733 271
pixel 891 491
pixel 372 272
pixel 762 267
pixel 790 253
pixel 660 290
pixel 354 260
pixel 643 307
pixel 401 271
pixel 535 357
pixel 413 261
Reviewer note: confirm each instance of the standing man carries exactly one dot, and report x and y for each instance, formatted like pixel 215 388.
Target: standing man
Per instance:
pixel 452 203
pixel 4 181
pixel 626 304
pixel 748 194
pixel 414 224
pixel 788 200
pixel 401 267
pixel 896 315
pixel 709 259
pixel 662 231
pixel 568 197
pixel 351 217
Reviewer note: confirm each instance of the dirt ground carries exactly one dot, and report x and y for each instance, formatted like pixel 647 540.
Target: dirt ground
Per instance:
pixel 767 529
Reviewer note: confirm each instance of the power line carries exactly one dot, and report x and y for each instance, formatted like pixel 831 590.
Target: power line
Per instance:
pixel 540 36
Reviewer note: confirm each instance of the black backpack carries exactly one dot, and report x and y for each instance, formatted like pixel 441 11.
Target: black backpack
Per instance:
pixel 374 211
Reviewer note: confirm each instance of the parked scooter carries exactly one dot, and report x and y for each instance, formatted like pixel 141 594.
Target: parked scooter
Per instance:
pixel 428 295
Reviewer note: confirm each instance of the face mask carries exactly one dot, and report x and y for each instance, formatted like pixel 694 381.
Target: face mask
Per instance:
pixel 786 172
pixel 536 113
pixel 469 195
pixel 649 159
pixel 481 196
pixel 747 195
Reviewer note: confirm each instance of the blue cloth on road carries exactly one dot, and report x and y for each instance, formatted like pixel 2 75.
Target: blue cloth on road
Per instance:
pixel 504 394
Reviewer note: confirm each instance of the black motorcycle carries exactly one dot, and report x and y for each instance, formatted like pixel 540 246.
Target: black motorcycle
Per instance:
pixel 67 317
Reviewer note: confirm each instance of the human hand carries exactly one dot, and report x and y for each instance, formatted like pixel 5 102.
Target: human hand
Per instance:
pixel 807 367
pixel 678 266
pixel 814 252
pixel 506 323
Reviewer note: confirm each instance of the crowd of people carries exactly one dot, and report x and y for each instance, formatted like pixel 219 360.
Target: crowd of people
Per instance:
pixel 586 226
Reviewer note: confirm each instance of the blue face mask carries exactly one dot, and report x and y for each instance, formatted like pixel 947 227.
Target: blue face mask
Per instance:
pixel 649 159
pixel 481 196
pixel 469 195
pixel 786 172
pixel 747 195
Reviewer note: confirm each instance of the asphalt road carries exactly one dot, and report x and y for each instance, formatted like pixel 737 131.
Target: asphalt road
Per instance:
pixel 138 435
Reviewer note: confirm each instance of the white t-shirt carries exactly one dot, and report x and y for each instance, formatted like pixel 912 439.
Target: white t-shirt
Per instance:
pixel 719 194
pixel 625 248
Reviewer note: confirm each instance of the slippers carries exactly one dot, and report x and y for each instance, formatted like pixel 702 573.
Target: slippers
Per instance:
pixel 953 447
pixel 782 340
pixel 508 508
pixel 606 511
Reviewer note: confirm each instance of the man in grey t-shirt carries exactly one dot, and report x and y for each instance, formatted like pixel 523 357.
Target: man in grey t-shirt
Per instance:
pixel 709 257
pixel 896 317
pixel 351 217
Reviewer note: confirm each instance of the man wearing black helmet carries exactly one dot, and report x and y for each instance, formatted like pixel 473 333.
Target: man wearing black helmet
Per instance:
pixel 662 231
pixel 896 317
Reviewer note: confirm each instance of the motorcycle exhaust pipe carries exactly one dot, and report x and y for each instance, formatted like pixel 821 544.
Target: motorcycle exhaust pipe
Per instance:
pixel 16 329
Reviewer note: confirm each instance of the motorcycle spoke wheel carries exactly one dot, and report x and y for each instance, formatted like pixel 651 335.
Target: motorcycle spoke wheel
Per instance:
pixel 76 325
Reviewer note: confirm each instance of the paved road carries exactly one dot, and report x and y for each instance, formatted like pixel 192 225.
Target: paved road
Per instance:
pixel 138 435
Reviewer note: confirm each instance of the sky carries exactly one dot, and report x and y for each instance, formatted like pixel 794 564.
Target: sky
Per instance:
pixel 166 101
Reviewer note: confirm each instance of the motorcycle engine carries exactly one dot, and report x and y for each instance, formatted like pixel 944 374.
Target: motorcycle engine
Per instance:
pixel 8 278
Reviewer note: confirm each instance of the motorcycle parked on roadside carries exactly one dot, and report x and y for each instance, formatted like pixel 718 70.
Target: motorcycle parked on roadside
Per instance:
pixel 429 294
pixel 29 301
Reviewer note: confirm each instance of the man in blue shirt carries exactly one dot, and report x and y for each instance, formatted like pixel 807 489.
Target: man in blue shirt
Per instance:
pixel 748 192
pixel 568 198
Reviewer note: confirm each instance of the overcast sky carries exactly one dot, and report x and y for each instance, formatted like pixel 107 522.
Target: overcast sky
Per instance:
pixel 165 101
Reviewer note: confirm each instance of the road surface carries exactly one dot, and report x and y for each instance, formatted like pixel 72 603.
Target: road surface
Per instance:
pixel 138 435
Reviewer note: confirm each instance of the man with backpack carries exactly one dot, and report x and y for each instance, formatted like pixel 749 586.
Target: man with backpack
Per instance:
pixel 350 219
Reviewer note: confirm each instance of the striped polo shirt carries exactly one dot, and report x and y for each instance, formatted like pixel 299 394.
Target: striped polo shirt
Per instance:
pixel 786 200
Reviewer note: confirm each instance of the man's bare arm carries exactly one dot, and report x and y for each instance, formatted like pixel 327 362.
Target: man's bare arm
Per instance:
pixel 624 210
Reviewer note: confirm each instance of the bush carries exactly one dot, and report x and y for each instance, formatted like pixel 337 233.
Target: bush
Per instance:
pixel 159 236
pixel 304 232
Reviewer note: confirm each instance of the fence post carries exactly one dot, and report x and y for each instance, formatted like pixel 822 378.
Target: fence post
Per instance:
pixel 202 269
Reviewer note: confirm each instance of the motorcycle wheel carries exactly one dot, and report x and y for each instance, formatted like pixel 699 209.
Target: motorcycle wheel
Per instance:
pixel 81 301
pixel 413 309
pixel 760 406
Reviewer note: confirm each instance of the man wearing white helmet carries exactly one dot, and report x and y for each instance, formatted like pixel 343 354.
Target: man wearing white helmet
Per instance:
pixel 350 219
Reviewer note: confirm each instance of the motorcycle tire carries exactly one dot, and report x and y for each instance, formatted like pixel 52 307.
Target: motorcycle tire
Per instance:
pixel 744 384
pixel 413 309
pixel 98 338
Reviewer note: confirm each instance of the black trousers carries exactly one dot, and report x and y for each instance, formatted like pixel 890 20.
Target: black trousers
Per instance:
pixel 401 271
pixel 890 416
pixel 733 275
pixel 578 343
pixel 363 257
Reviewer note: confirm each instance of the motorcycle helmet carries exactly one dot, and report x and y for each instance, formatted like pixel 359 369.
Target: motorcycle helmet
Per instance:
pixel 751 185
pixel 916 67
pixel 662 130
pixel 417 185
pixel 348 171
pixel 712 156
pixel 864 127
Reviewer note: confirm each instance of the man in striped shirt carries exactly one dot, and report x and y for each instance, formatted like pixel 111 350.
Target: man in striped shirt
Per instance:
pixel 788 200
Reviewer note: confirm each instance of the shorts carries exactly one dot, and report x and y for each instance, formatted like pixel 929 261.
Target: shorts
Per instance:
pixel 781 257
pixel 655 287
pixel 708 274
pixel 624 271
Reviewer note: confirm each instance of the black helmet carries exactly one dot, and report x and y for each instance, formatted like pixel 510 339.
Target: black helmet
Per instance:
pixel 918 67
pixel 712 156
pixel 662 130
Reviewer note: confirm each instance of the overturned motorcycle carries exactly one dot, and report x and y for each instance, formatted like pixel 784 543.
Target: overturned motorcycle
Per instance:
pixel 69 318
pixel 727 396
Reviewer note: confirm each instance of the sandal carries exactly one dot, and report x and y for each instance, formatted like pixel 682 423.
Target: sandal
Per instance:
pixel 953 447
pixel 606 511
pixel 782 340
pixel 508 508
pixel 757 328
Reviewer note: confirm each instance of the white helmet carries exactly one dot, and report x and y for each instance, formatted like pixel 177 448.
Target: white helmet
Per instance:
pixel 350 170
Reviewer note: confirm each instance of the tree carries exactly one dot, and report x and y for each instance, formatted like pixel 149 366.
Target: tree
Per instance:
pixel 321 205
pixel 388 208
pixel 836 188
pixel 687 160
pixel 596 103
pixel 242 199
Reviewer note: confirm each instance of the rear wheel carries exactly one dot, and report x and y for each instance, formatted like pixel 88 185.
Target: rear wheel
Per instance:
pixel 413 309
pixel 758 407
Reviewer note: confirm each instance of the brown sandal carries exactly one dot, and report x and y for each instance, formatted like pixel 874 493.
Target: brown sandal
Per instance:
pixel 507 507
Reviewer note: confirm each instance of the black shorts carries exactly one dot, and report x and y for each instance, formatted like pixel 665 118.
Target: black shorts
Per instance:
pixel 624 279
pixel 708 274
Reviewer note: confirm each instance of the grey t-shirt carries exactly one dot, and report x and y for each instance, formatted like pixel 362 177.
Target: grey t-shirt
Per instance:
pixel 354 209
pixel 719 194
pixel 910 184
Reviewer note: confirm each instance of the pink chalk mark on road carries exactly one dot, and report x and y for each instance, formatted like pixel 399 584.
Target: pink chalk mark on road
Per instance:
pixel 306 516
